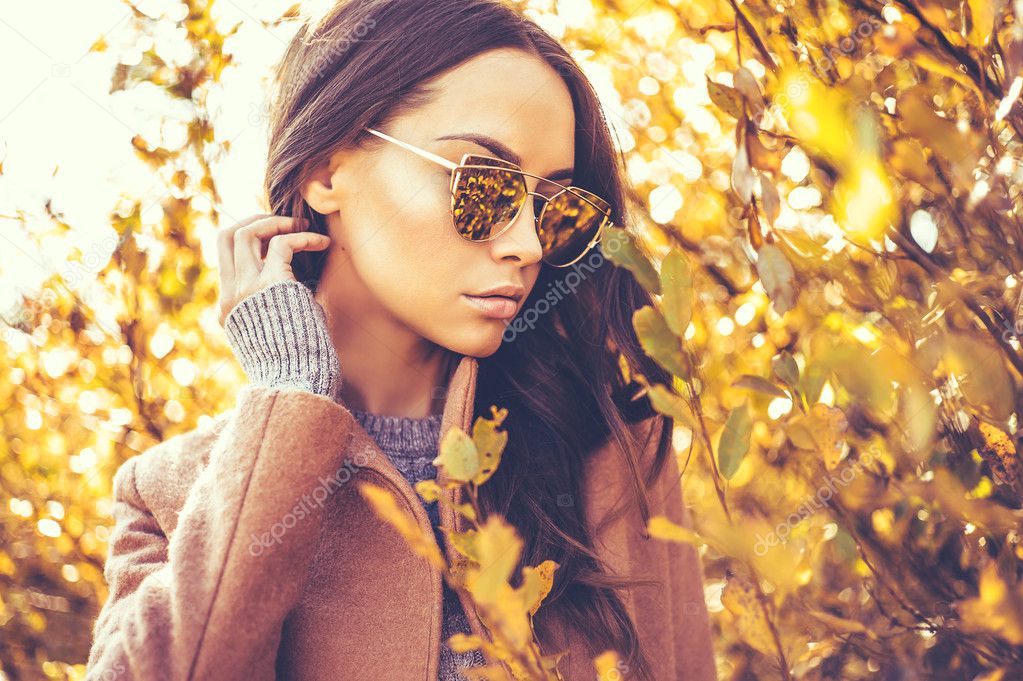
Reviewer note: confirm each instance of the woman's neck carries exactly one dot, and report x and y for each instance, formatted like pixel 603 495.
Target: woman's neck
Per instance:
pixel 386 367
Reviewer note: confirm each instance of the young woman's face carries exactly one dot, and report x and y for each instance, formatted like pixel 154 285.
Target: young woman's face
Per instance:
pixel 394 254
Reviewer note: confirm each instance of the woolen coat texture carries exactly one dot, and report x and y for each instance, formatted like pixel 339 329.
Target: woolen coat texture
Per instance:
pixel 242 550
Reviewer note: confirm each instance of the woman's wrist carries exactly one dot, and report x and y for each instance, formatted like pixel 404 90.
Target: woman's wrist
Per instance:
pixel 279 334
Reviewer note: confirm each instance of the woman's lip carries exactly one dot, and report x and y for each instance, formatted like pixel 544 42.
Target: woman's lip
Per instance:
pixel 497 307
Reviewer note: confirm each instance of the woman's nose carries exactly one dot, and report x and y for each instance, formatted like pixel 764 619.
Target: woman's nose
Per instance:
pixel 521 239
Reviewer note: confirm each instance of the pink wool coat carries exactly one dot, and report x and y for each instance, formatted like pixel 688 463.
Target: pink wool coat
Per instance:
pixel 243 550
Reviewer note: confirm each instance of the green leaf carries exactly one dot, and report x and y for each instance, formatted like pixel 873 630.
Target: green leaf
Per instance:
pixel 658 341
pixel 620 249
pixel 668 403
pixel 812 382
pixel 734 442
pixel 759 384
pixel 677 292
pixel 725 98
pixel 785 368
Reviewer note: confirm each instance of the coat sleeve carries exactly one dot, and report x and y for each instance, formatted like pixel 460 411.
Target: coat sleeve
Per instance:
pixel 209 602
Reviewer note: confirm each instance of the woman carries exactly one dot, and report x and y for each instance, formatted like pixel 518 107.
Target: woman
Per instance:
pixel 440 176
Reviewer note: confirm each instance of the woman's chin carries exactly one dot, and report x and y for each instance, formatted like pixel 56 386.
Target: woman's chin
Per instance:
pixel 479 339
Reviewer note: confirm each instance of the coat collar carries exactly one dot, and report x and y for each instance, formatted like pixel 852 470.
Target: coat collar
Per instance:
pixel 458 407
pixel 458 411
pixel 461 396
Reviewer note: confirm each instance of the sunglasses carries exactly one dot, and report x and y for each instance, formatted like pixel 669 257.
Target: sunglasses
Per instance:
pixel 487 194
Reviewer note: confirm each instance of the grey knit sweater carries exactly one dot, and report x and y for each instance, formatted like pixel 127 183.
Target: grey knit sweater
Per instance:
pixel 280 337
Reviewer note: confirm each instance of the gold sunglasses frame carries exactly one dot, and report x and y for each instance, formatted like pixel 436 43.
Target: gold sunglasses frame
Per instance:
pixel 454 167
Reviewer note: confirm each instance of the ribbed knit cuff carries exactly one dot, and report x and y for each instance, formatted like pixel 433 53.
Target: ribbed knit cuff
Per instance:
pixel 279 334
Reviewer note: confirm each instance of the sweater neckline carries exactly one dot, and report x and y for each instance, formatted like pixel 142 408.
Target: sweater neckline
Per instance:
pixel 403 434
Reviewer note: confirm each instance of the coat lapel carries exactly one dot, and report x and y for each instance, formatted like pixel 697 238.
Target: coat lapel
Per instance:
pixel 458 411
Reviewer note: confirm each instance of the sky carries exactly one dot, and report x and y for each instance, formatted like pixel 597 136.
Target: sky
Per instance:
pixel 66 139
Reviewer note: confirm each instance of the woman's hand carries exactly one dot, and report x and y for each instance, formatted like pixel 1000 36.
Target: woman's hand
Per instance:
pixel 248 262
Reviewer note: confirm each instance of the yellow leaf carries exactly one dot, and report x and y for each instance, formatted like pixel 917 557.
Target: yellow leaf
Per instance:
pixel 458 456
pixel 820 430
pixel 663 528
pixel 670 404
pixel 778 277
pixel 817 112
pixel 997 609
pixel 982 18
pixel 490 443
pixel 466 510
pixel 864 203
pixel 536 584
pixel 608 666
pixel 463 643
pixel 741 600
pixel 498 548
pixel 429 490
pixel 677 290
pixel 465 543
pixel 725 98
pixel 735 440
pixel 621 249
pixel 1000 454
pixel 658 341
pixel 386 506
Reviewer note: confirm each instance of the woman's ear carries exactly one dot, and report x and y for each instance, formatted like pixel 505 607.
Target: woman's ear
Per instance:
pixel 322 190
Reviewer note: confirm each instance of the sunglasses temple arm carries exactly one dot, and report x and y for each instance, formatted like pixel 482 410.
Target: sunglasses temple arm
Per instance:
pixel 430 156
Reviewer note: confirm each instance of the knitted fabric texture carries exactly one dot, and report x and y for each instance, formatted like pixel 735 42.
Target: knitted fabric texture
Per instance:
pixel 279 334
pixel 280 337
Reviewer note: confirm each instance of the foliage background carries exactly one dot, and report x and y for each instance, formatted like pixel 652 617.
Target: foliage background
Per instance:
pixel 843 179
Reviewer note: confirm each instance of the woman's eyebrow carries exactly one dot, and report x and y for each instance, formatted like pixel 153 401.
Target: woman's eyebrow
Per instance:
pixel 502 151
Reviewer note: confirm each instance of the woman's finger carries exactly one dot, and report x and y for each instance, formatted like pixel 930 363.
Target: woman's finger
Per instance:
pixel 225 248
pixel 283 247
pixel 248 245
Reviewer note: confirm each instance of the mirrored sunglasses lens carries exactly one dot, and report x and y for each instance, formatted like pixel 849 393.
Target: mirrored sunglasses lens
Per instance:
pixel 568 226
pixel 486 199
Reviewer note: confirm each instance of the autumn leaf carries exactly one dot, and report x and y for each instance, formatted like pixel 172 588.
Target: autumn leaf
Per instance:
pixel 677 292
pixel 663 528
pixel 667 402
pixel 536 584
pixel 997 609
pixel 608 666
pixel 760 385
pixel 740 599
pixel 621 249
pixel 778 277
pixel 735 440
pixel 458 456
pixel 386 506
pixel 658 341
pixel 489 443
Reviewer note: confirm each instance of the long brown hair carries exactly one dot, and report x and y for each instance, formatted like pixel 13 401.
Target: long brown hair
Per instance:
pixel 365 63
